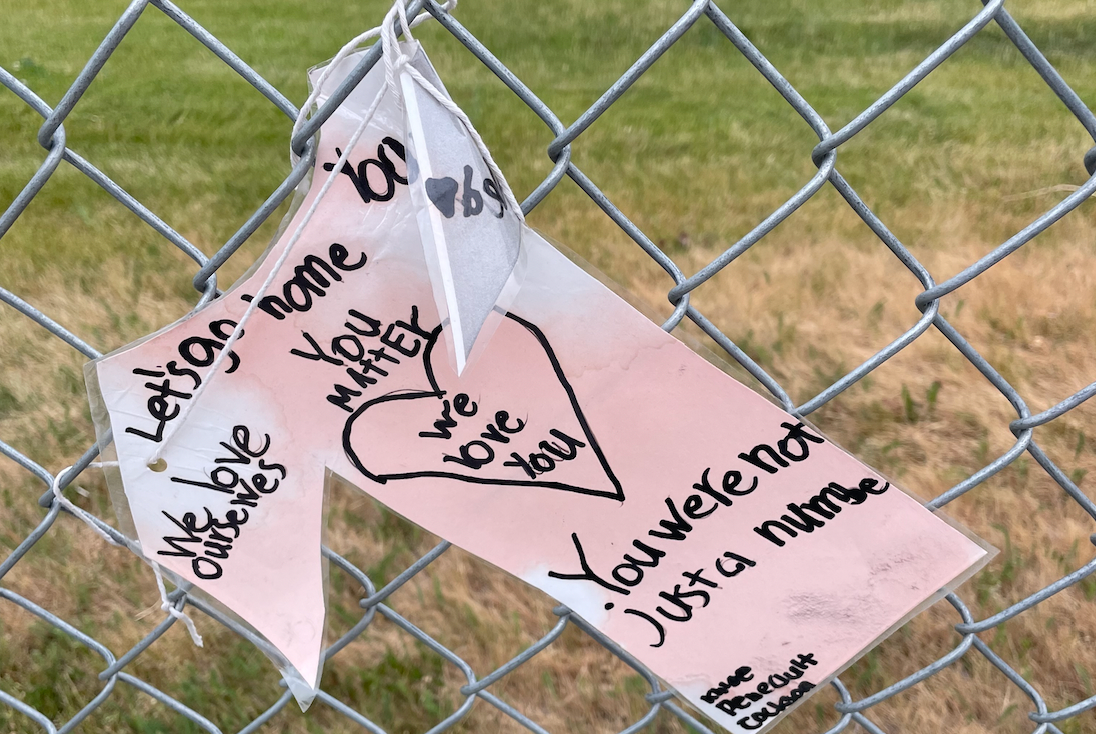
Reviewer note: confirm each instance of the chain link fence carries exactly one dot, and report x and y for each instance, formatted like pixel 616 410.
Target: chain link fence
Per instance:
pixel 477 688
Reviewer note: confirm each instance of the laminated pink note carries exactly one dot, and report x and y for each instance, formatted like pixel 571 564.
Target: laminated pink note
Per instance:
pixel 727 545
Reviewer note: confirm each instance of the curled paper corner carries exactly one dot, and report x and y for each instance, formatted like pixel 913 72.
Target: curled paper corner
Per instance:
pixel 304 693
pixel 303 689
pixel 471 232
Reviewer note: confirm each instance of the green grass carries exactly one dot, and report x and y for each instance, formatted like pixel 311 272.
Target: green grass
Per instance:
pixel 697 152
pixel 195 143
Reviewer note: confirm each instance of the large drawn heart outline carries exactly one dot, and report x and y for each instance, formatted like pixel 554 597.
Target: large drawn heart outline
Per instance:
pixel 396 412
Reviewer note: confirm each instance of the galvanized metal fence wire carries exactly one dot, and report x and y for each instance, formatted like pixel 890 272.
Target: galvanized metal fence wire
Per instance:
pixel 825 155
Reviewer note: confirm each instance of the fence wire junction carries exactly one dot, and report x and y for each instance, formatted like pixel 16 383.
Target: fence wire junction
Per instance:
pixel 52 137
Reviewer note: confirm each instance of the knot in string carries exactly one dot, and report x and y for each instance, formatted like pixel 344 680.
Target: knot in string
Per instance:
pixel 96 525
pixel 174 611
pixel 394 60
pixel 90 520
pixel 391 54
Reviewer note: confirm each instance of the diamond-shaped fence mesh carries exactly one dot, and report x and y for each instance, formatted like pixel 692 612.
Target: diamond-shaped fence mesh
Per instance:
pixel 117 668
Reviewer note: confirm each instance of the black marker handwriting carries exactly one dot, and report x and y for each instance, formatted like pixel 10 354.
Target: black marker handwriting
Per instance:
pixel 555 447
pixel 362 360
pixel 246 475
pixel 311 280
pixel 164 405
pixel 757 691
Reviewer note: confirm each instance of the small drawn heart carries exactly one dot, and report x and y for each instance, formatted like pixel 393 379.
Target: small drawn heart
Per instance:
pixel 443 192
pixel 510 419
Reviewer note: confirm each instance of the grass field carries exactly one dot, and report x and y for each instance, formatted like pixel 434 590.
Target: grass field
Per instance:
pixel 696 153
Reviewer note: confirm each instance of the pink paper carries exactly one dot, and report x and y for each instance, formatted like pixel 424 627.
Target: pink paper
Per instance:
pixel 583 450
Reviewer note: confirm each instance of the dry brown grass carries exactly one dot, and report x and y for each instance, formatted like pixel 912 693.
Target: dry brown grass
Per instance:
pixel 810 302
pixel 806 319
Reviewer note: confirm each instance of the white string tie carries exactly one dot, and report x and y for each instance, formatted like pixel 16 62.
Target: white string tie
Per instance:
pixel 167 606
pixel 394 60
pixel 90 520
pixel 350 47
pixel 95 524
